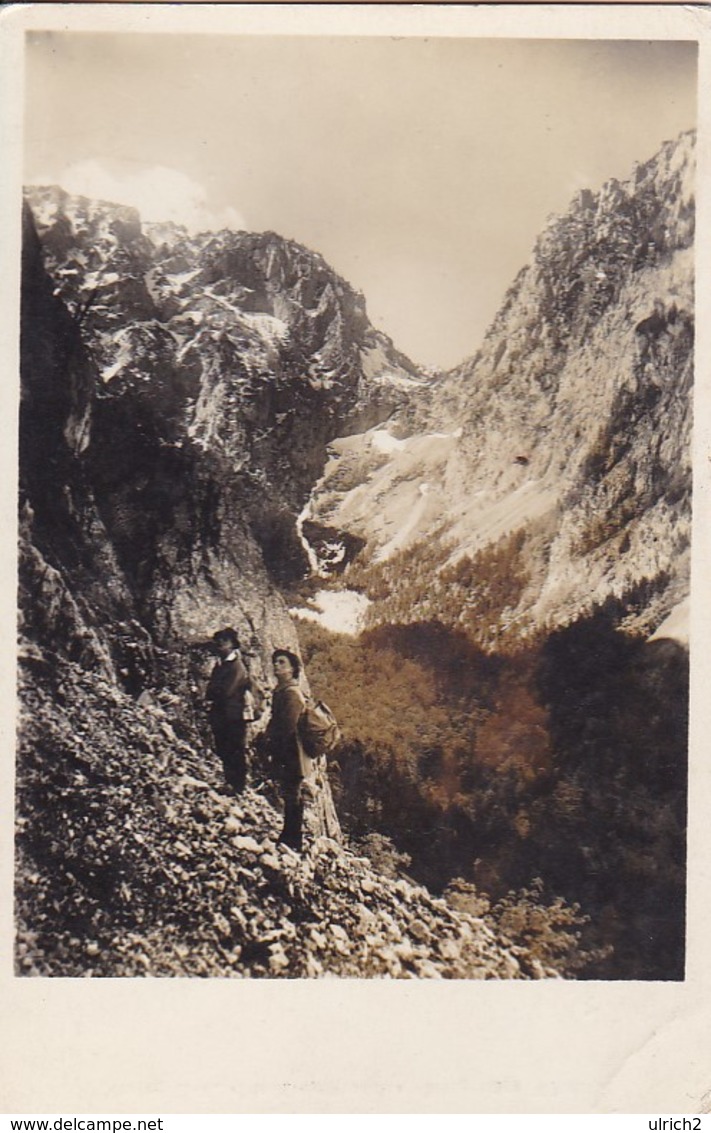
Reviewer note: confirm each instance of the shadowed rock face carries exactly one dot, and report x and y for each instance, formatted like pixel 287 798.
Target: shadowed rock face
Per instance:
pixel 72 590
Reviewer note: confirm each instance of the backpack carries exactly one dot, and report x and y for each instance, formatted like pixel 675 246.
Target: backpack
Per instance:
pixel 317 729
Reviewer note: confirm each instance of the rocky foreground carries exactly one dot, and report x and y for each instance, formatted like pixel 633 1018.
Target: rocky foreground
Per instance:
pixel 133 861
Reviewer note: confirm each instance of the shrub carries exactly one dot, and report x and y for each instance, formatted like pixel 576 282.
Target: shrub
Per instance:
pixel 547 931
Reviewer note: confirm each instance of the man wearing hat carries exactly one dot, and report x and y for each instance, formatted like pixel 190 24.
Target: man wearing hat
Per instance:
pixel 226 690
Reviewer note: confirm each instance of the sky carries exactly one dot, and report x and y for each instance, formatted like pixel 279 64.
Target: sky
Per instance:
pixel 421 169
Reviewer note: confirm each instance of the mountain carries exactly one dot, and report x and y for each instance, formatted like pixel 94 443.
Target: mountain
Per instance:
pixel 178 397
pixel 225 365
pixel 561 448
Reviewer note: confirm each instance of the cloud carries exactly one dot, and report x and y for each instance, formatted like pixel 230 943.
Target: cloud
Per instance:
pixel 159 194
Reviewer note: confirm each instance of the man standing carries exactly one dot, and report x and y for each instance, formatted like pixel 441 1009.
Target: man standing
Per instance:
pixel 226 690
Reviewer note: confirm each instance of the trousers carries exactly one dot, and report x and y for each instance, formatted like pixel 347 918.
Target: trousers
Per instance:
pixel 293 832
pixel 230 738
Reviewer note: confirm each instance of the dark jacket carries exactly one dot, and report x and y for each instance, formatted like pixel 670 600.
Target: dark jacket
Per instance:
pixel 291 763
pixel 228 683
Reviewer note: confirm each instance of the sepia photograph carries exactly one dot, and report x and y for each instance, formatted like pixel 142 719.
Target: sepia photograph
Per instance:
pixel 355 574
pixel 354 507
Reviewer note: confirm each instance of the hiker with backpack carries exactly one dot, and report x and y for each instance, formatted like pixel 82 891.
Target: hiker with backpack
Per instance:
pixel 228 695
pixel 299 732
pixel 291 765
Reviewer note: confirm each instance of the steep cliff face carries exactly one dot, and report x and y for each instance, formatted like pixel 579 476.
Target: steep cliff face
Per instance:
pixel 73 594
pixel 226 363
pixel 571 425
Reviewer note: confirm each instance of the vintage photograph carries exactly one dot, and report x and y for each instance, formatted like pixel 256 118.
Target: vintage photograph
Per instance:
pixel 354 506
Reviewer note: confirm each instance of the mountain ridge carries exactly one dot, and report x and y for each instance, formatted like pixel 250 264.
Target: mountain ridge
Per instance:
pixel 572 420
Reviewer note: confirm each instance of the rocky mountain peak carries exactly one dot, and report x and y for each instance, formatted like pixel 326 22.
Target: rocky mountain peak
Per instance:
pixel 227 362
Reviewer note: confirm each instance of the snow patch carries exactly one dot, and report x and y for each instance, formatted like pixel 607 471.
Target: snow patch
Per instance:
pixel 177 279
pixel 268 326
pixel 341 611
pixel 676 625
pixel 207 413
pixel 270 329
pixel 45 212
pixel 399 379
pixel 122 357
pixel 376 366
pixel 383 441
pixel 311 555
pixel 420 443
